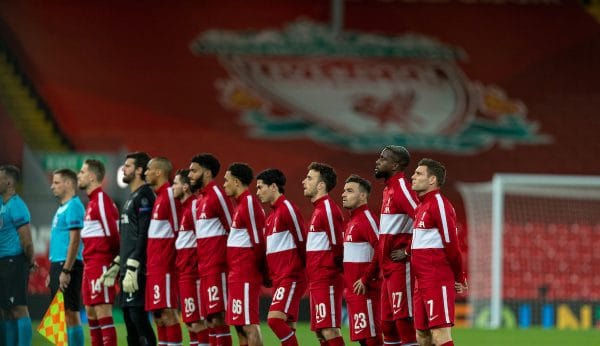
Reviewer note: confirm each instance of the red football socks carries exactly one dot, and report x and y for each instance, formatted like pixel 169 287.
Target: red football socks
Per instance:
pixel 222 336
pixel 95 332
pixel 162 335
pixel 109 333
pixel 173 334
pixel 203 339
pixel 390 333
pixel 376 341
pixel 407 331
pixel 193 338
pixel 284 332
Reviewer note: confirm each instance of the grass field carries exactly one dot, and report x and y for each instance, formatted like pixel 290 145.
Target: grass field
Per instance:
pixel 462 337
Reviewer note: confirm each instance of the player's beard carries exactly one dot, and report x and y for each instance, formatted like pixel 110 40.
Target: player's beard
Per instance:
pixel 127 179
pixel 197 186
pixel 381 174
pixel 310 193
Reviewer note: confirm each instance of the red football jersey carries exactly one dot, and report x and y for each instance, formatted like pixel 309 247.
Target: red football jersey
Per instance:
pixel 162 232
pixel 361 237
pixel 100 232
pixel 435 255
pixel 286 241
pixel 325 242
pixel 396 222
pixel 213 221
pixel 187 257
pixel 245 243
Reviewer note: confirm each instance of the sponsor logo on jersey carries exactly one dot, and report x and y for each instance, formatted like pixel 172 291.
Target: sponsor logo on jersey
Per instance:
pixel 361 91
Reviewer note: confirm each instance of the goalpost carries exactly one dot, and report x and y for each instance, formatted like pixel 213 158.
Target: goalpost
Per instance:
pixel 531 246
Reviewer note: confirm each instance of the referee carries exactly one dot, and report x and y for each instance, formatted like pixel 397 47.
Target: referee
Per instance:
pixel 66 260
pixel 16 261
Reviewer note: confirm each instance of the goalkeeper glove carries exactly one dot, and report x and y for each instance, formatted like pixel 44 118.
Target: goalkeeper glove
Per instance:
pixel 108 277
pixel 130 281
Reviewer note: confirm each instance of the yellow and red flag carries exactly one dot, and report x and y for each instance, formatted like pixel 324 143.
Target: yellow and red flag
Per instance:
pixel 54 326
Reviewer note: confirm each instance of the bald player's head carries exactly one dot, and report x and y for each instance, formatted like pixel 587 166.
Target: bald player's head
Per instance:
pixel 163 164
pixel 159 170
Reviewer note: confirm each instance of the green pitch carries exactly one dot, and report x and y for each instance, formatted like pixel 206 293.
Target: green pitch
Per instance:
pixel 462 337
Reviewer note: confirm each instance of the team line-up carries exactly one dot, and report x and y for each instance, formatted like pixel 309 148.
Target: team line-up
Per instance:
pixel 200 252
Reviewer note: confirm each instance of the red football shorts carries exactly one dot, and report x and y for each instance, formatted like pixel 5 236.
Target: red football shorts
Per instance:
pixel 213 294
pixel 396 296
pixel 434 306
pixel 286 297
pixel 242 303
pixel 161 292
pixel 189 299
pixel 364 316
pixel 326 306
pixel 92 291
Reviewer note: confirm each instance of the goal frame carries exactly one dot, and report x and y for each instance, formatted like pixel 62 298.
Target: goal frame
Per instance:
pixel 500 185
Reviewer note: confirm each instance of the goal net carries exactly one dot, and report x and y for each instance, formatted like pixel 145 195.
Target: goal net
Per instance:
pixel 533 250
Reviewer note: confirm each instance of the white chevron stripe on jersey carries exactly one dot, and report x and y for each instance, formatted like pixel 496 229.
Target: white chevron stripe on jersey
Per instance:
pixel 252 219
pixel 426 239
pixel 185 240
pixel 223 205
pixel 295 220
pixel 407 194
pixel 440 204
pixel 160 229
pixel 92 229
pixel 103 213
pixel 280 241
pixel 317 241
pixel 372 223
pixel 208 228
pixel 395 224
pixel 358 252
pixel 330 221
pixel 238 237
pixel 173 208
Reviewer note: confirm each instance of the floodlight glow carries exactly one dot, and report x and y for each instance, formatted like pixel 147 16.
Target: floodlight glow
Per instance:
pixel 120 176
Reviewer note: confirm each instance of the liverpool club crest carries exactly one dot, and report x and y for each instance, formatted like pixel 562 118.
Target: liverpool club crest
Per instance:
pixel 362 91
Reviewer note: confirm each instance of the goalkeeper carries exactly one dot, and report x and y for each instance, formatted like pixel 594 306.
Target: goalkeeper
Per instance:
pixel 131 264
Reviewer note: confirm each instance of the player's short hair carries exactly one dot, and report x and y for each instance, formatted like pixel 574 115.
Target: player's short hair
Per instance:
pixel 327 173
pixel 241 171
pixel 164 165
pixel 96 167
pixel 140 159
pixel 183 175
pixel 273 176
pixel 363 183
pixel 13 172
pixel 67 174
pixel 401 155
pixel 435 168
pixel 208 161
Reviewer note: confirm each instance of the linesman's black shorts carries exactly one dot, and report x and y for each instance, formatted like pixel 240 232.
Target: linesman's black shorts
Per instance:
pixel 73 292
pixel 14 279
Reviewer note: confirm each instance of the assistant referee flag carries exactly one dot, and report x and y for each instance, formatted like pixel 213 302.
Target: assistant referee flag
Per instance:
pixel 54 326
